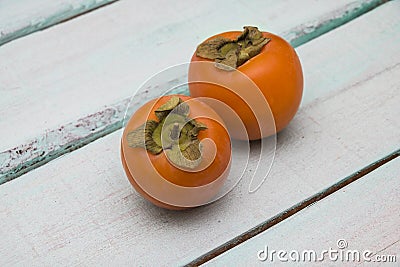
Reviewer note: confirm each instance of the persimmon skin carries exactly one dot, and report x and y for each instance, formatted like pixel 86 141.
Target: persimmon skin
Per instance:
pixel 276 71
pixel 141 191
pixel 143 167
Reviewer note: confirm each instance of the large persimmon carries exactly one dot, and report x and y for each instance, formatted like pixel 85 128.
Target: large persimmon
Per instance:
pixel 254 73
pixel 176 152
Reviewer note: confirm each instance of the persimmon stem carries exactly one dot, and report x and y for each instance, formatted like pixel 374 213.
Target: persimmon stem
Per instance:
pixel 175 133
pixel 229 54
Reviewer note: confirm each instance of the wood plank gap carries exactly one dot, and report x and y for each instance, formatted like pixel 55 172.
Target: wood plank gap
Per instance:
pixel 54 143
pixel 292 210
pixel 51 21
pixel 336 19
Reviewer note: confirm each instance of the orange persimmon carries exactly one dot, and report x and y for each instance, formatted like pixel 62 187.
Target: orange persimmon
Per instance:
pixel 176 152
pixel 275 69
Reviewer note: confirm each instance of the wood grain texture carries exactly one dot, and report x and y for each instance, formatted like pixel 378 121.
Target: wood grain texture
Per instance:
pixel 23 17
pixel 73 78
pixel 81 209
pixel 366 214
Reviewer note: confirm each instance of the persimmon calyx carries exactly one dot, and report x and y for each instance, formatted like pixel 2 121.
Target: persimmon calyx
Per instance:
pixel 229 54
pixel 174 132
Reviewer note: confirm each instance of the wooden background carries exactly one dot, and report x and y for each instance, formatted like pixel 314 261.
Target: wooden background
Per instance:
pixel 67 71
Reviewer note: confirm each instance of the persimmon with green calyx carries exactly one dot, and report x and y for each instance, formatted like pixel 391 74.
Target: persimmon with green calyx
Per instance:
pixel 176 152
pixel 243 61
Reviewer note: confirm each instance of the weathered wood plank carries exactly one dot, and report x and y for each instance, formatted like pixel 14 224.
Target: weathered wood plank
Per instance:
pixel 366 214
pixel 272 221
pixel 83 202
pixel 20 18
pixel 76 79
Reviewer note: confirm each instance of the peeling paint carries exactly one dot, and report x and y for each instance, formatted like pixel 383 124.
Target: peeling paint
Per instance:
pixel 17 28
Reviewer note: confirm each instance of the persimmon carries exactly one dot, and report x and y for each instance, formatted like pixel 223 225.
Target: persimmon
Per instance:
pixel 248 67
pixel 176 152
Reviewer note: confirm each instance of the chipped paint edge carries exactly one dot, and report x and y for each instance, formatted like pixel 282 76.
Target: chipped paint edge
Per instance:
pixel 308 31
pixel 63 14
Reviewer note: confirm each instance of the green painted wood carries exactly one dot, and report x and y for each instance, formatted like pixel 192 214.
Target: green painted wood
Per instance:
pixel 23 17
pixel 354 10
pixel 66 137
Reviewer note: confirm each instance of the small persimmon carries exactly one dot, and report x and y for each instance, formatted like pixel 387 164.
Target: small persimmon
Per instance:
pixel 176 152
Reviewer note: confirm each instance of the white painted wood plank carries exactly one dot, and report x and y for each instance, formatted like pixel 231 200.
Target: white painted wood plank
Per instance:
pixel 81 209
pixel 366 214
pixel 22 17
pixel 70 71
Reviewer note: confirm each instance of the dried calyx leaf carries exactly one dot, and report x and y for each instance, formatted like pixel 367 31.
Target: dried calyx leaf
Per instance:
pixel 174 132
pixel 211 48
pixel 174 105
pixel 143 137
pixel 230 54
